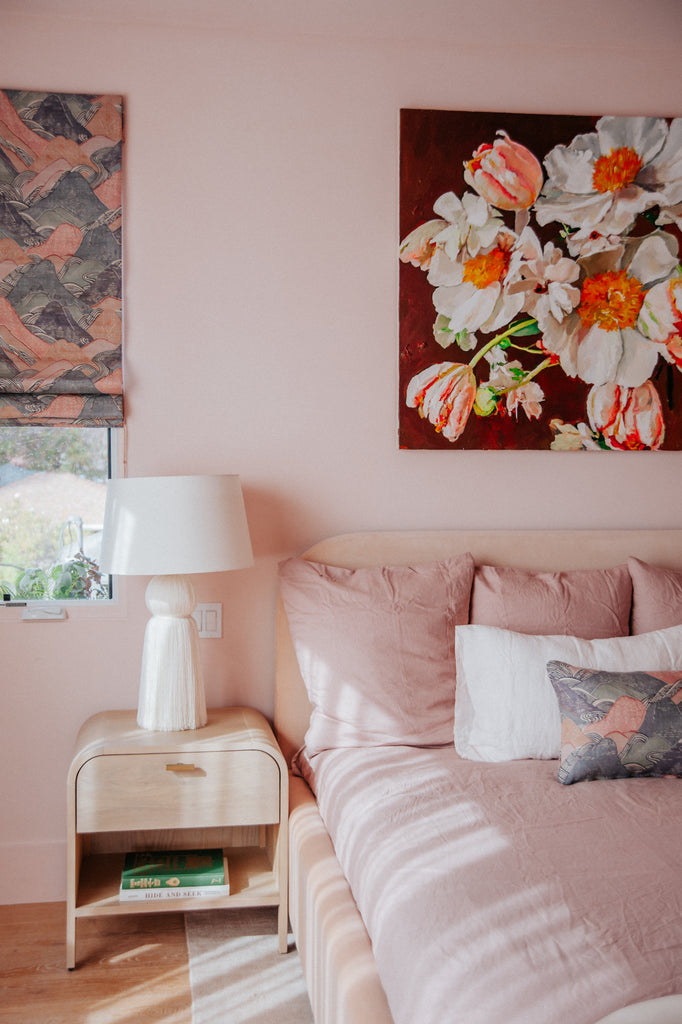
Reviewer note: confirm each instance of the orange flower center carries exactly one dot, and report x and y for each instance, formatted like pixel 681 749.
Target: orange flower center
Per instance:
pixel 611 300
pixel 487 268
pixel 616 170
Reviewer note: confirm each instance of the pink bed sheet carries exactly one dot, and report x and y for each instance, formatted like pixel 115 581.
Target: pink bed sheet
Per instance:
pixel 494 895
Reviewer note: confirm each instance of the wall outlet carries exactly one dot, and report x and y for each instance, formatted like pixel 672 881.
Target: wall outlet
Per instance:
pixel 209 619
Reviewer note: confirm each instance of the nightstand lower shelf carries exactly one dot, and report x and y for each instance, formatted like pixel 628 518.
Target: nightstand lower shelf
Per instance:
pixel 252 884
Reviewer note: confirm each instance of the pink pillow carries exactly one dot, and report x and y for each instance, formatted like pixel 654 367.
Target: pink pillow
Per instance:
pixel 588 603
pixel 376 649
pixel 656 596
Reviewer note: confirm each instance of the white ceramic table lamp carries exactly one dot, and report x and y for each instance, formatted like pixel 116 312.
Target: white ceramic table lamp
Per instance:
pixel 167 527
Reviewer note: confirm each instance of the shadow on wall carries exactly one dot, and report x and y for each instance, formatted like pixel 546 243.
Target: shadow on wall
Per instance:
pixel 279 526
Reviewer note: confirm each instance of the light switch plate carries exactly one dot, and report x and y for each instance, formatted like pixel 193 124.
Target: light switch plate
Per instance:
pixel 209 618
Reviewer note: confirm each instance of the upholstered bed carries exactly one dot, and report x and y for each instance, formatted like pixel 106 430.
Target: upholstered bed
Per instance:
pixel 522 874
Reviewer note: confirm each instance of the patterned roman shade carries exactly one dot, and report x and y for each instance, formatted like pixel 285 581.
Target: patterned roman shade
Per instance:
pixel 60 259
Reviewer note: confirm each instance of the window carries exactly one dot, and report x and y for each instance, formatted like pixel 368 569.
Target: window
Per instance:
pixel 52 494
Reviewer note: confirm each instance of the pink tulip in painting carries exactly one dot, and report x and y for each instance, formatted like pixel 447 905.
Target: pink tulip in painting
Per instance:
pixel 627 418
pixel 505 173
pixel 444 394
pixel 541 255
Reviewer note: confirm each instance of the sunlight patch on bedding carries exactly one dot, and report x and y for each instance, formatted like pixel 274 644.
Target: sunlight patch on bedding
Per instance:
pixel 512 939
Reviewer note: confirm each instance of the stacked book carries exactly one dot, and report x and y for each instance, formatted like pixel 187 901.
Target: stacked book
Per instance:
pixel 174 874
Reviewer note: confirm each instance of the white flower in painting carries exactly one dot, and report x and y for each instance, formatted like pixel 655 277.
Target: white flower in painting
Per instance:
pixel 671 215
pixel 507 379
pixel 593 243
pixel 545 277
pixel 603 180
pixel 607 337
pixel 463 225
pixel 528 397
pixel 469 226
pixel 661 317
pixel 569 437
pixel 419 246
pixel 662 308
pixel 496 355
pixel 664 173
pixel 480 299
pixel 505 375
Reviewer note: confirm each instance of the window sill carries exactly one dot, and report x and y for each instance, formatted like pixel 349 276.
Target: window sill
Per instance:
pixel 62 611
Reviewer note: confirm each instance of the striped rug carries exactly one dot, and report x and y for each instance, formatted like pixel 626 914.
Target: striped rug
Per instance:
pixel 238 975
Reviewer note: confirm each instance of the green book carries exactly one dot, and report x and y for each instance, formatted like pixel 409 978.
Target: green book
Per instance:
pixel 179 874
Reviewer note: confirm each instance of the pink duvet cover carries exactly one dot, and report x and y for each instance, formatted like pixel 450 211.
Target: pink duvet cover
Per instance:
pixel 494 895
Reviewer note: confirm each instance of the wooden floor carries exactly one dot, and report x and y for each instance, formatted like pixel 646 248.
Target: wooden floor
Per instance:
pixel 130 969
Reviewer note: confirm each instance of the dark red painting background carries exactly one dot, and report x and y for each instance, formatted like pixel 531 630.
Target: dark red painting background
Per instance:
pixel 434 145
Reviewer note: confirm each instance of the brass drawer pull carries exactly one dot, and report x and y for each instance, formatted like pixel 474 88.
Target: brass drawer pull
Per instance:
pixel 180 767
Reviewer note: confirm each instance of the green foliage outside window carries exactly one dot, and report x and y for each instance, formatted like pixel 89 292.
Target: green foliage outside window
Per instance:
pixel 76 579
pixel 42 541
pixel 68 449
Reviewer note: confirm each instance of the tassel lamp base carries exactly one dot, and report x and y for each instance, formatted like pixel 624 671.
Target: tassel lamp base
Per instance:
pixel 171 681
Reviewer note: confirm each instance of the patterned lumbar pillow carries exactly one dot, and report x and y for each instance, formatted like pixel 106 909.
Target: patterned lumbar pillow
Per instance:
pixel 617 725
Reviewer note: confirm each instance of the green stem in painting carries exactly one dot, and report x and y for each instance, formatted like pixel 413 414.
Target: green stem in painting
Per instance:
pixel 516 328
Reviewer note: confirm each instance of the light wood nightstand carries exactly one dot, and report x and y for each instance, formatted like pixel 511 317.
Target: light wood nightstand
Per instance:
pixel 225 785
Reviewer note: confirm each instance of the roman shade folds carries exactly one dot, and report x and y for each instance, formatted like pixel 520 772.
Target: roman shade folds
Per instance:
pixel 60 259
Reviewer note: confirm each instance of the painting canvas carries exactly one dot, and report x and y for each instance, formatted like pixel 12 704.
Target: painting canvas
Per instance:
pixel 60 258
pixel 540 297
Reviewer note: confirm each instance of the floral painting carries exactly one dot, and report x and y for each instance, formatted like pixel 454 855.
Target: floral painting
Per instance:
pixel 540 281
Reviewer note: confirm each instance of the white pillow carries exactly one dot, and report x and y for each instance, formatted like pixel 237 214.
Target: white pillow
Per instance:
pixel 505 706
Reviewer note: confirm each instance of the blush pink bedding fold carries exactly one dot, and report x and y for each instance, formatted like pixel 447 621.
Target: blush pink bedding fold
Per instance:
pixel 493 895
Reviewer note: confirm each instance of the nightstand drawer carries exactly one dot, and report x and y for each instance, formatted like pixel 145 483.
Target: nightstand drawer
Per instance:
pixel 177 790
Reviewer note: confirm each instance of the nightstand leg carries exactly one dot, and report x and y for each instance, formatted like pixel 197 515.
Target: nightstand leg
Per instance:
pixel 74 854
pixel 283 928
pixel 70 941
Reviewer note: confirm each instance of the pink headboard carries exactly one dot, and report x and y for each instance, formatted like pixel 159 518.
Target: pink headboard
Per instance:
pixel 529 549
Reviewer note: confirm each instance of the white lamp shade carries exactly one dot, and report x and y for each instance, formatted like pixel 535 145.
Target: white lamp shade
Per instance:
pixel 173 525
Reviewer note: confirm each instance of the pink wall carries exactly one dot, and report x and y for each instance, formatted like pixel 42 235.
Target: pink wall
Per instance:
pixel 260 260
